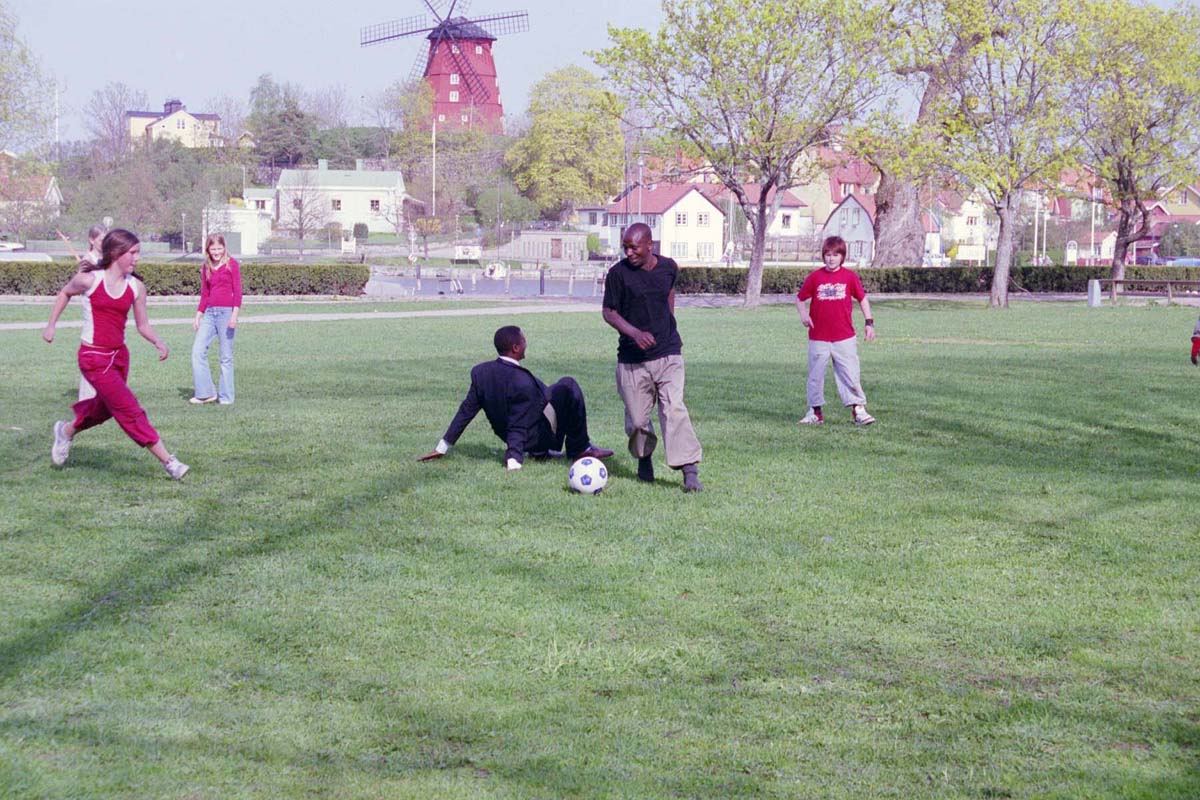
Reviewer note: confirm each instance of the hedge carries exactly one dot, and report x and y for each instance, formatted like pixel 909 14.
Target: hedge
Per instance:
pixel 41 278
pixel 923 280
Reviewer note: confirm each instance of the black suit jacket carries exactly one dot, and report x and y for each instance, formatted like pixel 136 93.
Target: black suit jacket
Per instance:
pixel 512 399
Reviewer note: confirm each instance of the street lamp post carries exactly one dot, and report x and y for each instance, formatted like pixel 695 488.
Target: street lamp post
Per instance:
pixel 183 231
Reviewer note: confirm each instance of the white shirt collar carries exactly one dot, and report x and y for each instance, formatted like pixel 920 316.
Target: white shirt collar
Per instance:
pixel 512 361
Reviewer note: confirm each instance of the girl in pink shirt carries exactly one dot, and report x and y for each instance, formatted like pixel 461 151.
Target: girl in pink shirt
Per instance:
pixel 110 288
pixel 216 318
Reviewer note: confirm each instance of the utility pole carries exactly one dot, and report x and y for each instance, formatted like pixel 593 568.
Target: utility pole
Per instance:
pixel 435 167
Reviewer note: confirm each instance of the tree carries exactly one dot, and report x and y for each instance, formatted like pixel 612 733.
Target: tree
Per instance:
pixel 1007 131
pixel 303 207
pixel 283 132
pixel 1138 100
pixel 931 46
pixel 572 151
pixel 107 123
pixel 26 93
pixel 751 87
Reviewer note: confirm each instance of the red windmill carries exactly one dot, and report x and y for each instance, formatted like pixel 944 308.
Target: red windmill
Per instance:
pixel 458 64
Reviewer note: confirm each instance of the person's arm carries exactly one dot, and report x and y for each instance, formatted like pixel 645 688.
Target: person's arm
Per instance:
pixel 643 339
pixel 671 301
pixel 802 307
pixel 202 306
pixel 466 412
pixel 236 274
pixel 865 305
pixel 142 320
pixel 78 284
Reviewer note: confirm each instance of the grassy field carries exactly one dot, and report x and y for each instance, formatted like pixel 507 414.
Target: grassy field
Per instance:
pixel 991 593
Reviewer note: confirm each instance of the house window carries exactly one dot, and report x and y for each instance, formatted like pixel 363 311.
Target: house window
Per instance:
pixel 972 221
pixel 847 189
pixel 1183 197
pixel 182 125
pixel 454 79
pixel 853 215
pixel 454 48
pixel 705 250
pixel 856 249
pixel 702 219
pixel 374 205
pixel 785 222
pixel 454 97
pixel 678 249
pixel 592 217
pixel 681 218
pixel 260 205
pixel 297 203
pixel 335 204
pixel 441 117
pixel 464 118
pixel 478 49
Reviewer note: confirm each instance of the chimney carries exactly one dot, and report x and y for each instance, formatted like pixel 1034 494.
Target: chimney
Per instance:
pixel 322 163
pixel 358 164
pixel 171 106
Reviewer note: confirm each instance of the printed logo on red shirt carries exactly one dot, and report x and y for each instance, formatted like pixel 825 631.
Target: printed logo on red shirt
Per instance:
pixel 831 291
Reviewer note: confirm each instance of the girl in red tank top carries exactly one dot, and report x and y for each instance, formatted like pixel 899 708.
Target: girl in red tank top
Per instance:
pixel 110 289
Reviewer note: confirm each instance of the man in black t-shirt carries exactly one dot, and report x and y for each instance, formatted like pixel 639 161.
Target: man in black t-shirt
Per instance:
pixel 639 301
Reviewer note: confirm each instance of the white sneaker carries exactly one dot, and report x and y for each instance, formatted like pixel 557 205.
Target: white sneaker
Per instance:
pixel 813 417
pixel 176 468
pixel 200 401
pixel 62 444
pixel 861 417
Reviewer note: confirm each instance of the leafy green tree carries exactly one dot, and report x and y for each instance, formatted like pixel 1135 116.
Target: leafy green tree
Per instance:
pixel 1006 129
pixel 502 201
pixel 931 44
pixel 26 94
pixel 1137 102
pixel 751 87
pixel 283 132
pixel 572 152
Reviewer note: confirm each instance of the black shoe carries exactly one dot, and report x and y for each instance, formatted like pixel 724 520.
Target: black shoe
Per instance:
pixel 645 471
pixel 591 451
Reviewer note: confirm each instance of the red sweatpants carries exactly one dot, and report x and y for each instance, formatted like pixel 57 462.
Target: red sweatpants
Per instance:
pixel 107 371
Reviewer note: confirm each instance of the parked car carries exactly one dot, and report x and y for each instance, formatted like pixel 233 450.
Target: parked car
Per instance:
pixel 10 247
pixel 1184 262
pixel 1150 261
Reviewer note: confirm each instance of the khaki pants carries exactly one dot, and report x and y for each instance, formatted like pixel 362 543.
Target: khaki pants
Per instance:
pixel 643 385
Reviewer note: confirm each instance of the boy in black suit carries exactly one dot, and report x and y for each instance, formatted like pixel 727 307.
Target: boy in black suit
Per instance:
pixel 526 414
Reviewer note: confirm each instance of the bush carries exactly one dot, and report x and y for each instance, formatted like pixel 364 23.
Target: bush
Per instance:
pixel 361 232
pixel 40 278
pixel 923 280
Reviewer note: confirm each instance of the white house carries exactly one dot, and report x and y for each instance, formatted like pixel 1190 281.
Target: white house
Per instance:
pixel 854 220
pixel 794 218
pixel 685 224
pixel 374 197
pixel 245 227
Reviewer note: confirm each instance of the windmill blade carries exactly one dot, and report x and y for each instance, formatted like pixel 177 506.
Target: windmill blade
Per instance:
pixel 444 8
pixel 421 64
pixel 395 29
pixel 501 24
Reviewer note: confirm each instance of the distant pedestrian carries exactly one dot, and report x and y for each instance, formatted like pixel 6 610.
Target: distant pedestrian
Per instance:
pixel 216 318
pixel 826 305
pixel 109 290
pixel 639 301
pixel 1196 343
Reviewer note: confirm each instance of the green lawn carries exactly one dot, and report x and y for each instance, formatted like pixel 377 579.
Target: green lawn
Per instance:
pixel 991 593
pixel 160 309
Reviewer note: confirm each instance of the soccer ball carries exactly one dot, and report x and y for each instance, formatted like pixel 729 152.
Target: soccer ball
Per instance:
pixel 587 475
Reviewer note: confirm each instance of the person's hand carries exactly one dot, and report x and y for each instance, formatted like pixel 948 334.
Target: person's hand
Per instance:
pixel 806 320
pixel 869 335
pixel 644 339
pixel 196 323
pixel 163 352
pixel 232 323
pixel 48 335
pixel 430 456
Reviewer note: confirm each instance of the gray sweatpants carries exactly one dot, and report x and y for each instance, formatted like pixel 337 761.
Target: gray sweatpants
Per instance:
pixel 844 355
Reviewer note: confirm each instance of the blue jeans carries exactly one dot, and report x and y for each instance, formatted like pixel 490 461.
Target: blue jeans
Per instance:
pixel 213 325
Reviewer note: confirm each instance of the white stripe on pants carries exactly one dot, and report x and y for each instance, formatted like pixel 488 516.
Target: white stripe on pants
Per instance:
pixel 844 355
pixel 659 381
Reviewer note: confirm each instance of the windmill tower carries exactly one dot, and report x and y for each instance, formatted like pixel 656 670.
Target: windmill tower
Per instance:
pixel 458 64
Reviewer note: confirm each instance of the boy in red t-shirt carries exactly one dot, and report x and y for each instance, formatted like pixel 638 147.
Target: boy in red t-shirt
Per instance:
pixel 831 292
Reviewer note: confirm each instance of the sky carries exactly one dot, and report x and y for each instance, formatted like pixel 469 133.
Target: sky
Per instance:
pixel 197 51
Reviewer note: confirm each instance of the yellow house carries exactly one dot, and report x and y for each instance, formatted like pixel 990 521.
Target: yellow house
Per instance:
pixel 175 122
pixel 1182 200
